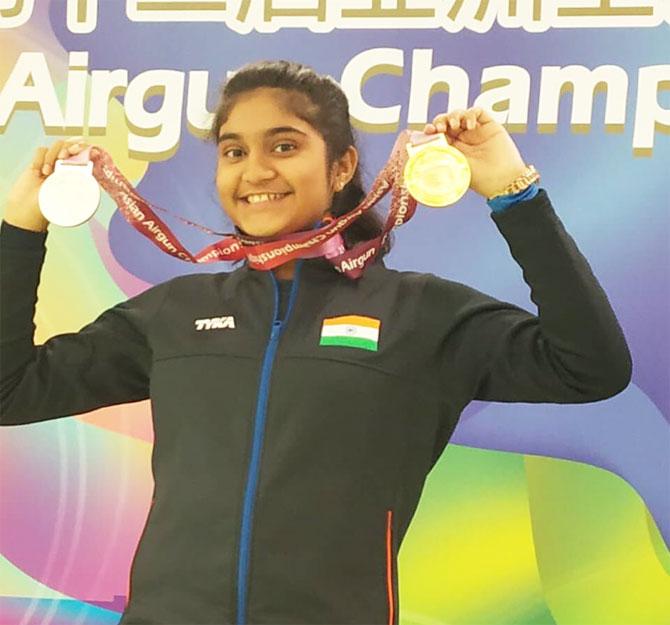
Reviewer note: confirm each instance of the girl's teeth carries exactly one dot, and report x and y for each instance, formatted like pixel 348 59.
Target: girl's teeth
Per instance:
pixel 264 198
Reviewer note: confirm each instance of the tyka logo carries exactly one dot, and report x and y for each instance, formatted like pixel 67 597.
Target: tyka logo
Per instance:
pixel 215 323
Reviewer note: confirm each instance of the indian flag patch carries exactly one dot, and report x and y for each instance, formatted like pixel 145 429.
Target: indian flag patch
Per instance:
pixel 351 331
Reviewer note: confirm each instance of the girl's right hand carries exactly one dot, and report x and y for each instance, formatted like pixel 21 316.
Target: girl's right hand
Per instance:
pixel 21 206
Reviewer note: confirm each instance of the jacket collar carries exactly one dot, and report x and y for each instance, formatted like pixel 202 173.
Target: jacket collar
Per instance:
pixel 319 266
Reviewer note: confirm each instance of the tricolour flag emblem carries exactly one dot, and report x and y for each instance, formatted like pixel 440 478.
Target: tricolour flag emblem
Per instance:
pixel 351 331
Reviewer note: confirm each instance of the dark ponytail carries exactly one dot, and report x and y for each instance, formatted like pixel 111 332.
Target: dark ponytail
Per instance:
pixel 320 101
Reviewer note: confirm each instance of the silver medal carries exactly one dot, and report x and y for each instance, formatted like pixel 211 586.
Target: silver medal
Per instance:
pixel 70 195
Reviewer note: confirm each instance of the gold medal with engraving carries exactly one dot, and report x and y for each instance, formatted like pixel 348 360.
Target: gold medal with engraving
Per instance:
pixel 436 173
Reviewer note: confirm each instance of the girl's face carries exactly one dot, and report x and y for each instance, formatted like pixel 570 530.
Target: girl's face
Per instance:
pixel 264 149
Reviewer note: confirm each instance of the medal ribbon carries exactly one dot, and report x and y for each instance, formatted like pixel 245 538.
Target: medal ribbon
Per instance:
pixel 267 253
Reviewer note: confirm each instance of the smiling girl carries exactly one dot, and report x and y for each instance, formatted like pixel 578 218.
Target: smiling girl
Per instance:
pixel 297 412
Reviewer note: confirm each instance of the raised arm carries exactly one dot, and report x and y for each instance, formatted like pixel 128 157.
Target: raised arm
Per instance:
pixel 107 362
pixel 572 351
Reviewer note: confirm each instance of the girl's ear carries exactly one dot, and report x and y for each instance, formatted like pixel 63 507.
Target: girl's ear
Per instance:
pixel 348 164
pixel 344 169
pixel 336 182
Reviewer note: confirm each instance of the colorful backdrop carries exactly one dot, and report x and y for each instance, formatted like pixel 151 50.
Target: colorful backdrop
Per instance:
pixel 535 514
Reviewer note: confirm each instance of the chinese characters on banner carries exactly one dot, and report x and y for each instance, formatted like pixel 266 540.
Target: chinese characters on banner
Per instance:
pixel 267 16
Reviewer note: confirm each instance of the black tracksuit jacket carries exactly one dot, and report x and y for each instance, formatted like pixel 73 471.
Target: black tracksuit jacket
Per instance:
pixel 286 471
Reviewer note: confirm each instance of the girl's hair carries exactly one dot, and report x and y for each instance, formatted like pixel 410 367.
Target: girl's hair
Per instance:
pixel 320 101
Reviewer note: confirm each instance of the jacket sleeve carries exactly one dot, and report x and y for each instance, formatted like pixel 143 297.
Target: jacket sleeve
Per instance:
pixel 572 351
pixel 107 362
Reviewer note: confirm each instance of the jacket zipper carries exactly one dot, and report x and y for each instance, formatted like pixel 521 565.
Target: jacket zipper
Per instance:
pixel 259 430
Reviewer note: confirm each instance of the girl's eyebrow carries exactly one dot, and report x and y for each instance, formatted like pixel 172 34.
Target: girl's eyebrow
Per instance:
pixel 268 133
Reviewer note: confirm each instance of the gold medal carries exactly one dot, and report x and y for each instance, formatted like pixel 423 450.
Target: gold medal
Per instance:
pixel 436 173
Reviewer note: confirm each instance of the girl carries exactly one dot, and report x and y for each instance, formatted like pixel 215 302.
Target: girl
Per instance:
pixel 293 435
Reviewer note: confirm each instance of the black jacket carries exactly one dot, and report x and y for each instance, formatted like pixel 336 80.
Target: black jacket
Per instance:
pixel 287 471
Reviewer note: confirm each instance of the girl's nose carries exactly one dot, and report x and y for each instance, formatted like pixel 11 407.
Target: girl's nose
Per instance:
pixel 257 168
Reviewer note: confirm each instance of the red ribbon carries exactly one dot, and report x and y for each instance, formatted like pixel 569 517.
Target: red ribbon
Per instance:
pixel 268 253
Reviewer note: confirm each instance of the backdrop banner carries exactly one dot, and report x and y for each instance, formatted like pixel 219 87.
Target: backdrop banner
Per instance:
pixel 535 514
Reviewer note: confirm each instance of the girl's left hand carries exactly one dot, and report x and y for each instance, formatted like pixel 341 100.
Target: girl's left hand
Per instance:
pixel 493 157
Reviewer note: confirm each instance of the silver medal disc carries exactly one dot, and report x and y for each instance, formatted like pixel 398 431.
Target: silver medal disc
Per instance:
pixel 70 195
